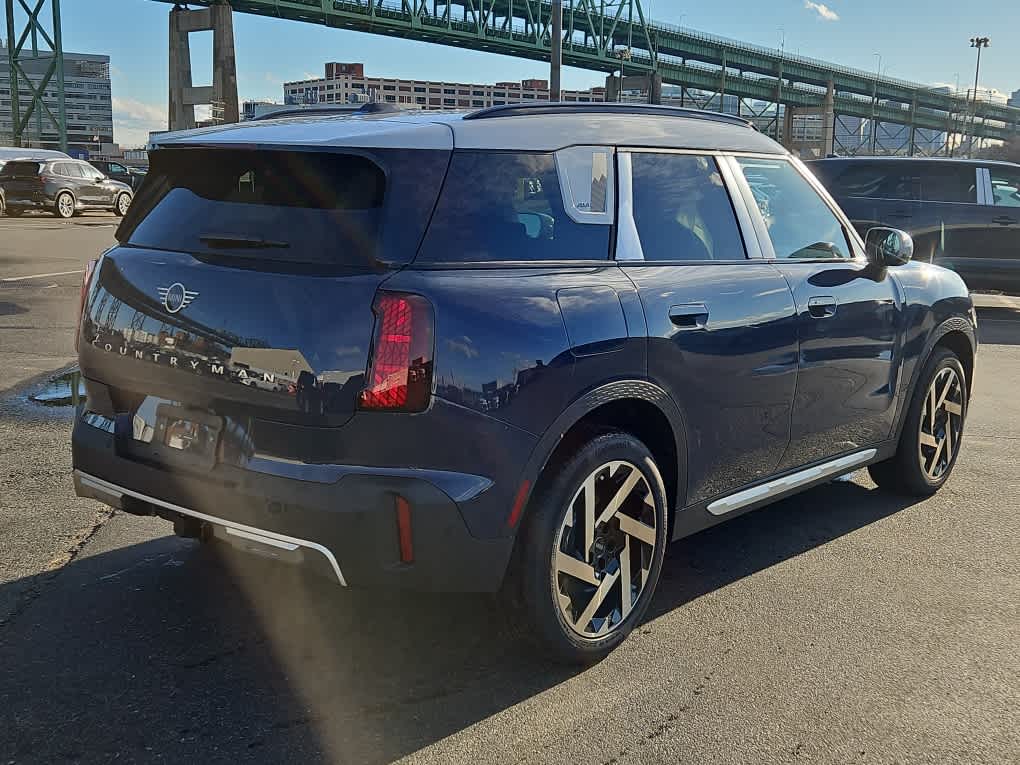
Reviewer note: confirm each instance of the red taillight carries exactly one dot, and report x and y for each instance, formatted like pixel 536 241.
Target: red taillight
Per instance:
pixel 400 369
pixel 86 281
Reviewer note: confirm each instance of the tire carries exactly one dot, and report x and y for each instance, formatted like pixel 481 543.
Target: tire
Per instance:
pixel 930 443
pixel 121 205
pixel 63 205
pixel 557 577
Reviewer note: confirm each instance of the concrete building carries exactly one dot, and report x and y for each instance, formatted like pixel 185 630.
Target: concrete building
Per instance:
pixel 87 102
pixel 347 83
pixel 1014 100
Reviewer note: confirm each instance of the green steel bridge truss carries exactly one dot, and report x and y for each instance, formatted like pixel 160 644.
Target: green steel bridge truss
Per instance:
pixel 34 46
pixel 605 35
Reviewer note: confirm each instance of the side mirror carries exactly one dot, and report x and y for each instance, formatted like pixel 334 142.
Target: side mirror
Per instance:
pixel 889 246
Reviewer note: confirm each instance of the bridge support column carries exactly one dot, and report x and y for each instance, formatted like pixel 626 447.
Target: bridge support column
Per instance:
pixel 222 95
pixel 829 120
pixel 788 126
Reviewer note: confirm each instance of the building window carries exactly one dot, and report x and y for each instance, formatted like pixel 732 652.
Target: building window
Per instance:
pixel 499 94
pixel 478 102
pixel 449 91
pixel 419 99
pixel 405 88
pixel 449 102
pixel 419 89
pixel 391 98
pixel 499 103
pixel 434 102
pixel 389 87
pixel 478 92
pixel 529 95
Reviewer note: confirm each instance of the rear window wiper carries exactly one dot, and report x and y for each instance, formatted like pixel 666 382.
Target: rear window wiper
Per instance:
pixel 239 240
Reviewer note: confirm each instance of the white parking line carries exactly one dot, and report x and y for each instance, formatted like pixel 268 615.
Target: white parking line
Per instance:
pixel 40 276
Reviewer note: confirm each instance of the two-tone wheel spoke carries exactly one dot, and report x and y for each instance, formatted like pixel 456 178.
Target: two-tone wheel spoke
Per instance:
pixel 941 423
pixel 604 549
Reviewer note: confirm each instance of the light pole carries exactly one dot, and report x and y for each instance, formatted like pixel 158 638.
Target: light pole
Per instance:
pixel 979 43
pixel 556 50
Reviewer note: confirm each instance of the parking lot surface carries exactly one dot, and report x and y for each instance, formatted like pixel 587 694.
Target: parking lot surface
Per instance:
pixel 845 625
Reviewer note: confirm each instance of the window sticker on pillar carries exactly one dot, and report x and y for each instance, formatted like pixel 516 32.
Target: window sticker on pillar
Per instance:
pixel 586 181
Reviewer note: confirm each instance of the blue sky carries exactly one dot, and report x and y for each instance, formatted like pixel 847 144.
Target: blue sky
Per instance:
pixel 923 40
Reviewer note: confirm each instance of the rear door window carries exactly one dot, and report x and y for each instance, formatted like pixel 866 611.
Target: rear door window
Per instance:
pixel 341 209
pixel 509 206
pixel 1005 186
pixel 682 209
pixel 946 182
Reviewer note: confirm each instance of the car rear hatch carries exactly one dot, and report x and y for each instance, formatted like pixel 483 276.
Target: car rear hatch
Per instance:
pixel 240 298
pixel 21 179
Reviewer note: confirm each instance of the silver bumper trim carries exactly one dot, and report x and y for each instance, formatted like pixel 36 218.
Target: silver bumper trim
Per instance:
pixel 101 490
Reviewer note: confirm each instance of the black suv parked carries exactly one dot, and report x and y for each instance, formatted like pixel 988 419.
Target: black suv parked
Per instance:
pixel 962 214
pixel 61 186
pixel 117 171
pixel 519 349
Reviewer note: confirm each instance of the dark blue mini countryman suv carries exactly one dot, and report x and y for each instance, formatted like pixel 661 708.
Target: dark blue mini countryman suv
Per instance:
pixel 516 350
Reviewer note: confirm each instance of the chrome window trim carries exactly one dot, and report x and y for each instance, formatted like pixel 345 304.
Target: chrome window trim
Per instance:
pixel 986 196
pixel 574 171
pixel 752 245
pixel 628 243
pixel 248 532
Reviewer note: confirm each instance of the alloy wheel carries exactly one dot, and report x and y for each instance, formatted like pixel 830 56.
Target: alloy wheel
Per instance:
pixel 65 205
pixel 604 549
pixel 123 203
pixel 941 424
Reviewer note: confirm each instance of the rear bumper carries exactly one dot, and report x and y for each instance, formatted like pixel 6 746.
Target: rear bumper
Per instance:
pixel 32 202
pixel 346 530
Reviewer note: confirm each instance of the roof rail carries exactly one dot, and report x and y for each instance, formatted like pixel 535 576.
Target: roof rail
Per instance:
pixel 599 107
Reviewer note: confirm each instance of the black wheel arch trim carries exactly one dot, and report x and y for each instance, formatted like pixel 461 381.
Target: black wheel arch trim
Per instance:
pixel 952 324
pixel 619 390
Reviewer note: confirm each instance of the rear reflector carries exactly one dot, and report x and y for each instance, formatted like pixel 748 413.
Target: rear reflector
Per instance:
pixel 404 530
pixel 400 369
pixel 86 282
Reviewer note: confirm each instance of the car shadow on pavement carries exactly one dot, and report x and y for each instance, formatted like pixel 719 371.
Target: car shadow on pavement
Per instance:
pixel 167 650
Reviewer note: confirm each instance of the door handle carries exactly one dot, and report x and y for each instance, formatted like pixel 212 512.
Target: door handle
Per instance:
pixel 1004 220
pixel 689 315
pixel 822 307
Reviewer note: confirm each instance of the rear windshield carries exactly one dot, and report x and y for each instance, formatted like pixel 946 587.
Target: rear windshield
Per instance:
pixel 350 210
pixel 20 168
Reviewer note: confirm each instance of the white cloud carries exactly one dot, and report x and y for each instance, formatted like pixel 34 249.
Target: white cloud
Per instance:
pixel 824 12
pixel 133 120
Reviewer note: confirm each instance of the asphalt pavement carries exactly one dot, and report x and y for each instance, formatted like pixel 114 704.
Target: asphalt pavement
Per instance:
pixel 845 625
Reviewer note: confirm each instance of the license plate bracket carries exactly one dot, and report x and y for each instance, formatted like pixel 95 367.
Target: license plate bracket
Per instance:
pixel 186 437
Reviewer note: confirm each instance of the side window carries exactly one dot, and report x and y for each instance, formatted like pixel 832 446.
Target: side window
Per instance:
pixel 948 183
pixel 799 222
pixel 857 179
pixel 508 206
pixel 1005 186
pixel 73 170
pixel 60 169
pixel 682 209
pixel 115 168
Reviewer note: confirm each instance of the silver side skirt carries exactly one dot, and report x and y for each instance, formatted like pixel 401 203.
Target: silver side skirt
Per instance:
pixel 111 494
pixel 779 486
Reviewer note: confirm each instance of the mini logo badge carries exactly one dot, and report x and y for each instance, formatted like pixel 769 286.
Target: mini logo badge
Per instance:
pixel 175 297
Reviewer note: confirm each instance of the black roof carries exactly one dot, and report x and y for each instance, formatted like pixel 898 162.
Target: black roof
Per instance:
pixel 537 108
